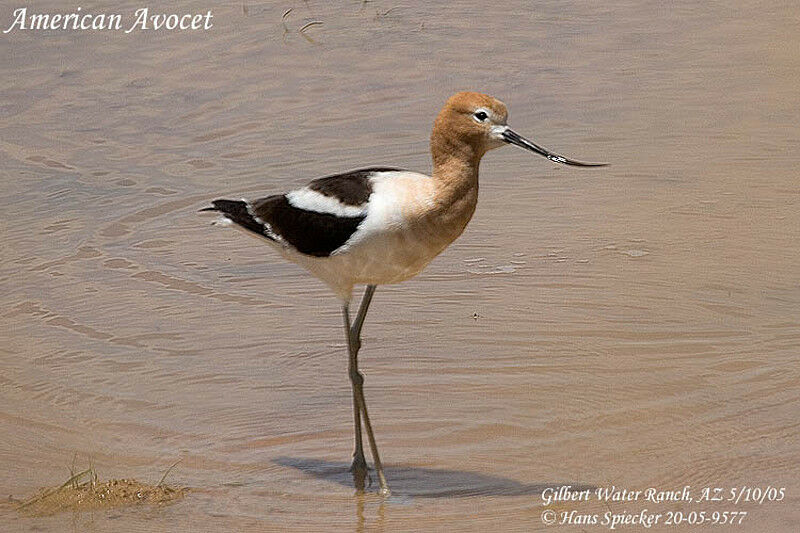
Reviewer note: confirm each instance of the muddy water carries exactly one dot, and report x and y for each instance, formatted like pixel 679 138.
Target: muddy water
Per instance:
pixel 635 325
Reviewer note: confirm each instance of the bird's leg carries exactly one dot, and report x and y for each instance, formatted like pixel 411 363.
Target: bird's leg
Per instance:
pixel 372 444
pixel 359 466
pixel 362 314
pixel 358 382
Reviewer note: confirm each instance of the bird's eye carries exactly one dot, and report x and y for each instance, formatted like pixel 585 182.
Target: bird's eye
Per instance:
pixel 480 116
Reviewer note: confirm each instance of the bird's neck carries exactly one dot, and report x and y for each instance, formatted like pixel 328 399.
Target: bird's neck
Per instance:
pixel 455 167
pixel 455 175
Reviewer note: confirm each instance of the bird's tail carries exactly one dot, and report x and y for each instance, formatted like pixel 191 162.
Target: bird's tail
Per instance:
pixel 237 211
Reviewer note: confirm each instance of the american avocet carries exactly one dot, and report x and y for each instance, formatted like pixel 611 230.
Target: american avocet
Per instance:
pixel 383 225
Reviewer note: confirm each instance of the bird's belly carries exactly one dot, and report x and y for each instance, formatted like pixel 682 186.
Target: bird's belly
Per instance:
pixel 399 251
pixel 376 261
pixel 390 258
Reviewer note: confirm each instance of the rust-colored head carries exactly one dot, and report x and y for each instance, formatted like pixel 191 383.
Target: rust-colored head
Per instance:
pixel 464 125
pixel 470 124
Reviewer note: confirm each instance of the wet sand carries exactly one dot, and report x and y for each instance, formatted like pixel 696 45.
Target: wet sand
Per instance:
pixel 635 325
pixel 84 491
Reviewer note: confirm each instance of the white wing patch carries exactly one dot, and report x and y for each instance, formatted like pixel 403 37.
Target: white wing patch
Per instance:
pixel 310 200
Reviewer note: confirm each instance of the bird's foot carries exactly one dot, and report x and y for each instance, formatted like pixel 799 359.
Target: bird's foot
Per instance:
pixel 360 472
pixel 359 464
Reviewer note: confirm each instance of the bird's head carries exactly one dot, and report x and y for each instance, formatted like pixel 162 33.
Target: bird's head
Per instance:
pixel 470 124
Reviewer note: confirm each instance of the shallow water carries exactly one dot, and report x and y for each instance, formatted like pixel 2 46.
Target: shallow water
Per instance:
pixel 635 325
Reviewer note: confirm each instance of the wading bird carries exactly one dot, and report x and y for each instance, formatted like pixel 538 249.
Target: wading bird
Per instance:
pixel 383 225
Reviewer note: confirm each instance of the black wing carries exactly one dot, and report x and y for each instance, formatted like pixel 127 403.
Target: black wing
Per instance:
pixel 350 188
pixel 307 229
pixel 309 232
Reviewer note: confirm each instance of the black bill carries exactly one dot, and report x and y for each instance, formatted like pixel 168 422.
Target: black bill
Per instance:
pixel 512 137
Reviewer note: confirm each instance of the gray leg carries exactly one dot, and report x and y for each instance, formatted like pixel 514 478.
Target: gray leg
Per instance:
pixel 357 379
pixel 359 466
pixel 372 444
pixel 362 314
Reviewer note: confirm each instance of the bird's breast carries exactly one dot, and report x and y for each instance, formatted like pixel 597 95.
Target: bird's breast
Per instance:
pixel 406 227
